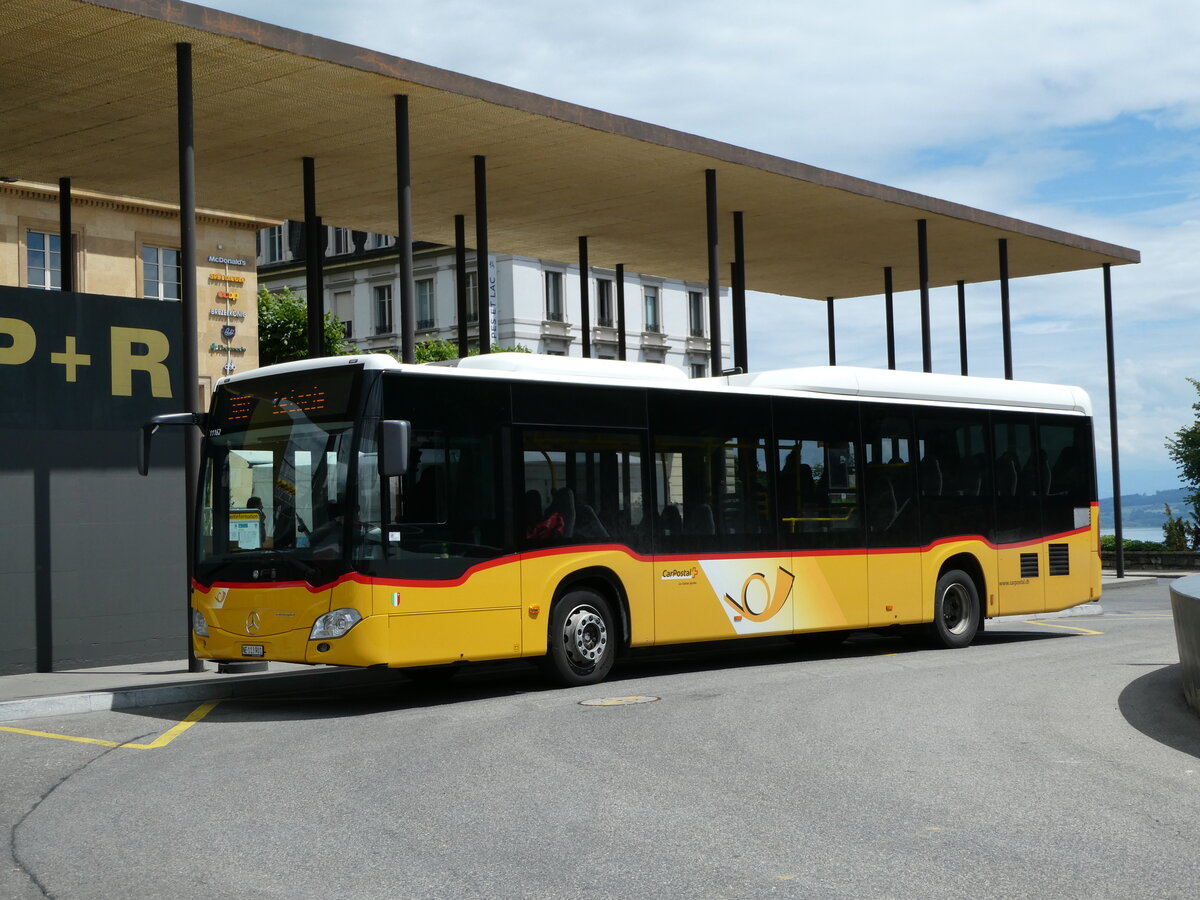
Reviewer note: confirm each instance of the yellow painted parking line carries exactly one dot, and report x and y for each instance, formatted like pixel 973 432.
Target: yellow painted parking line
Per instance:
pixel 60 737
pixel 1074 628
pixel 158 743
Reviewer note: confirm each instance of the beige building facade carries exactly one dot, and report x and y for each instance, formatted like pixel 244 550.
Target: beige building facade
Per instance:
pixel 125 247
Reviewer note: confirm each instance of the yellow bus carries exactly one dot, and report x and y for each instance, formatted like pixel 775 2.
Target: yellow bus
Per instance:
pixel 360 512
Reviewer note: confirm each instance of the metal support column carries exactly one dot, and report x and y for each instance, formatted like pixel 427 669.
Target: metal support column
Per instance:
pixel 890 315
pixel 190 337
pixel 962 326
pixel 585 306
pixel 312 263
pixel 714 271
pixel 923 276
pixel 65 242
pixel 460 284
pixel 404 234
pixel 621 346
pixel 481 255
pixel 1112 420
pixel 1005 318
pixel 741 357
pixel 832 331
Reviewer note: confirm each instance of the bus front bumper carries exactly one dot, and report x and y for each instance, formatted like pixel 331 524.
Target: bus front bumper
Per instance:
pixel 363 645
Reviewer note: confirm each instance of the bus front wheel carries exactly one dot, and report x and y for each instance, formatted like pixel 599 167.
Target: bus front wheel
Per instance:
pixel 956 614
pixel 582 638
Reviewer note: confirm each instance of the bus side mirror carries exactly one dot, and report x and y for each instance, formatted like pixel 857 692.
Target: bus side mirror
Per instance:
pixel 395 436
pixel 148 428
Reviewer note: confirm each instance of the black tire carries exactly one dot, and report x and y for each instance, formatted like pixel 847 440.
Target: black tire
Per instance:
pixel 956 613
pixel 582 639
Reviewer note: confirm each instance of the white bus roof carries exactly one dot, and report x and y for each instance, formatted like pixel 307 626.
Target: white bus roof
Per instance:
pixel 919 386
pixel 564 367
pixel 840 381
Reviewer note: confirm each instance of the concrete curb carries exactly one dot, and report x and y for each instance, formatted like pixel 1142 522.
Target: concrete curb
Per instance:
pixel 1083 610
pixel 197 692
pixel 1133 579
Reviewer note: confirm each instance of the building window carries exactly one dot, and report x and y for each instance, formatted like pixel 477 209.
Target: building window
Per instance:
pixel 341 241
pixel 383 308
pixel 554 296
pixel 44 256
pixel 604 302
pixel 161 274
pixel 695 314
pixel 343 308
pixel 699 370
pixel 425 303
pixel 650 295
pixel 272 244
pixel 472 296
pixel 379 241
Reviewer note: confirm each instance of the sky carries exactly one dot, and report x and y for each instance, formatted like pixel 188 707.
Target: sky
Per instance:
pixel 1081 115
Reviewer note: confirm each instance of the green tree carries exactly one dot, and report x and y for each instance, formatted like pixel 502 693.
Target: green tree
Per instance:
pixel 283 328
pixel 437 350
pixel 1184 448
pixel 1175 531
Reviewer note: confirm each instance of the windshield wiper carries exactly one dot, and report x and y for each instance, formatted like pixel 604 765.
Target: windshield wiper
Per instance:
pixel 250 556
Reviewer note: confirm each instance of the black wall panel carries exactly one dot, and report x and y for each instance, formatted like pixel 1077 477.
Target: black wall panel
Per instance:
pixel 91 555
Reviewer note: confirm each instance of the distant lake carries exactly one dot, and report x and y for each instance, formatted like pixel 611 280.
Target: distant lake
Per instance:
pixel 1136 534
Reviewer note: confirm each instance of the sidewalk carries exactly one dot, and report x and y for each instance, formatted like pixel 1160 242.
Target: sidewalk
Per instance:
pixel 135 685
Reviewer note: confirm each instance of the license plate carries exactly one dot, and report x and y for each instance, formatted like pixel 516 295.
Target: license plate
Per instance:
pixel 252 650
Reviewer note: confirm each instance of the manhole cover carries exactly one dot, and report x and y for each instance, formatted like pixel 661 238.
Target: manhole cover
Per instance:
pixel 617 701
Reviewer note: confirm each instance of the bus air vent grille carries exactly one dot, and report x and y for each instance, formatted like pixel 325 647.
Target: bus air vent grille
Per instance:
pixel 1060 559
pixel 1029 565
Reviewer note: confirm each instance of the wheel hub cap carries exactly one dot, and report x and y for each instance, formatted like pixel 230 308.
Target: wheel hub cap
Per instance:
pixel 585 635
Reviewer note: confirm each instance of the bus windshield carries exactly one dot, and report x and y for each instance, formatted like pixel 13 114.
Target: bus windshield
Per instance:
pixel 275 480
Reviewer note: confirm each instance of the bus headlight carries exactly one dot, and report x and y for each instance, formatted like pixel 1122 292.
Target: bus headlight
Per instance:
pixel 334 624
pixel 199 626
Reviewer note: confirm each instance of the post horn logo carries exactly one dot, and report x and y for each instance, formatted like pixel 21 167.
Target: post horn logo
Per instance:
pixel 759 603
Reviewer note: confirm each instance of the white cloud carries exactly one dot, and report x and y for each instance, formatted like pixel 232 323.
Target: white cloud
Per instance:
pixel 976 101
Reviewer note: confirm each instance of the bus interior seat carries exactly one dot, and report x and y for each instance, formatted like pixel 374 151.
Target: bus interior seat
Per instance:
pixel 931 476
pixel 698 519
pixel 588 524
pixel 1006 475
pixel 533 508
pixel 970 477
pixel 883 509
pixel 563 503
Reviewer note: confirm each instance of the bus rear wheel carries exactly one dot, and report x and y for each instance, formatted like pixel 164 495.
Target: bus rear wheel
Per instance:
pixel 582 639
pixel 956 613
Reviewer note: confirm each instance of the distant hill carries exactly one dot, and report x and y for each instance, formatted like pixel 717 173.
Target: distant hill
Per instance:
pixel 1144 510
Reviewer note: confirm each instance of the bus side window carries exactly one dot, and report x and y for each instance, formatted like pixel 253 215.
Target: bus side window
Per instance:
pixel 956 498
pixel 891 496
pixel 1069 491
pixel 1018 478
pixel 421 497
pixel 581 487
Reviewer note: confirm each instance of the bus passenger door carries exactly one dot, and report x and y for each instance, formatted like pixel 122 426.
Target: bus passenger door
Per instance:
pixel 717 571
pixel 820 514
